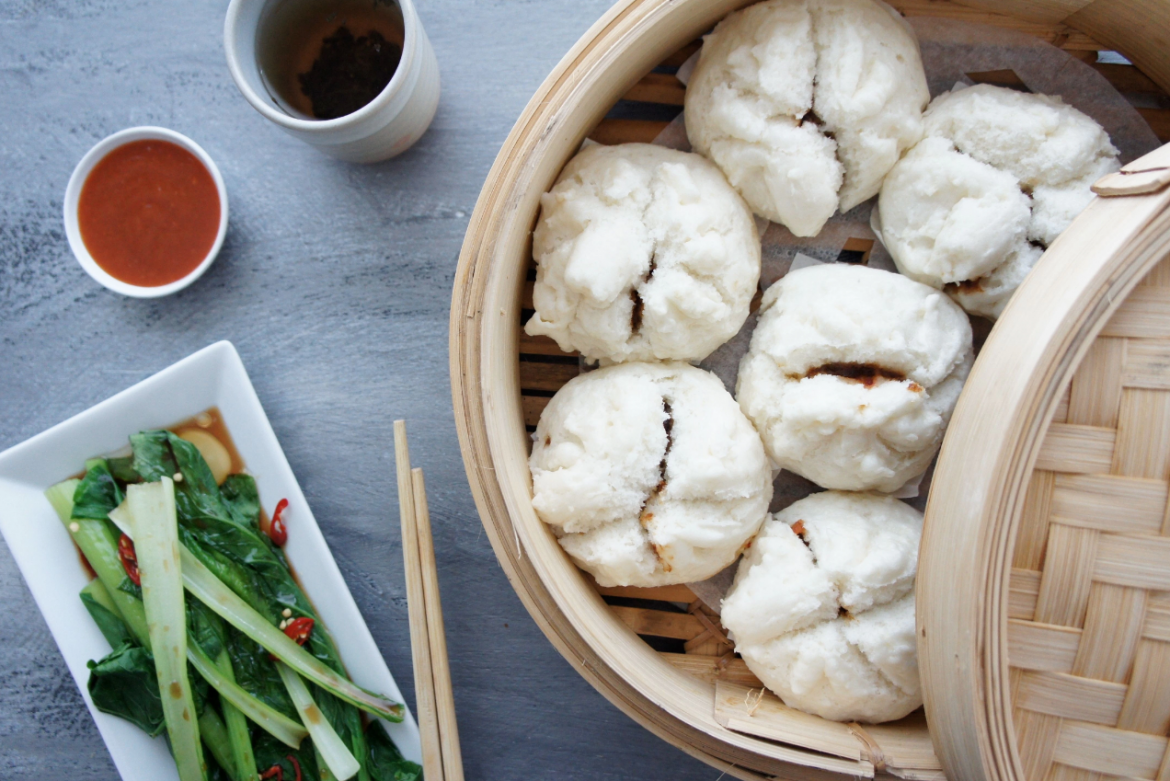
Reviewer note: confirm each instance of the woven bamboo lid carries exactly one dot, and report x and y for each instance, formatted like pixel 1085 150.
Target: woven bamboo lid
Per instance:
pixel 1044 587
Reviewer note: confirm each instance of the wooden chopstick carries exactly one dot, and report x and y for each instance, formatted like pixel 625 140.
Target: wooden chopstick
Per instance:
pixel 440 669
pixel 442 758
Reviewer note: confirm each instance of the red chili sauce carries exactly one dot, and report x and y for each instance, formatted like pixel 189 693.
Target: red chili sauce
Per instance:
pixel 149 213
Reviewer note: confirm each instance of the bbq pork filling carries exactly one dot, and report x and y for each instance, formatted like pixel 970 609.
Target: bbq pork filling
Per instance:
pixel 852 375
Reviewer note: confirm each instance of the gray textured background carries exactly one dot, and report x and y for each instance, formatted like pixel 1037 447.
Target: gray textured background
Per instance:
pixel 334 284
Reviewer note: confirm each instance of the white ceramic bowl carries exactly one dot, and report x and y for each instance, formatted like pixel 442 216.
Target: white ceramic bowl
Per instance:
pixel 73 194
pixel 386 126
pixel 213 377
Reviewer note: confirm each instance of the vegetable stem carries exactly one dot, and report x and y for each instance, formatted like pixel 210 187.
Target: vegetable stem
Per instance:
pixel 325 739
pixel 99 543
pixel 215 736
pixel 265 716
pixel 156 536
pixel 208 589
pixel 237 724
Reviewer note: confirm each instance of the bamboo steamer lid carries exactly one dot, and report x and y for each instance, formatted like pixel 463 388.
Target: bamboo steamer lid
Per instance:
pixel 717 711
pixel 1044 577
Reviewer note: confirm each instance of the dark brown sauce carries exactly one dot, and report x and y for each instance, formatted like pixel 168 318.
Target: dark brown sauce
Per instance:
pixel 865 373
pixel 966 286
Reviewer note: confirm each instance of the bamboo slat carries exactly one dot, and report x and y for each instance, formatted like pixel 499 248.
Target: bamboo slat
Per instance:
pixel 1107 503
pixel 1147 708
pixel 1064 584
pixel 1023 593
pixel 679 593
pixel 1033 535
pixel 1036 646
pixel 1157 625
pixel 502 380
pixel 1095 394
pixel 1079 449
pixel 1037 734
pixel 713 669
pixel 657 623
pixel 901 748
pixel 1107 750
pixel 1071 696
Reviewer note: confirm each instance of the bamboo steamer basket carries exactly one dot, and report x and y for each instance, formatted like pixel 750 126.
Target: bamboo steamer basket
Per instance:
pixel 999 630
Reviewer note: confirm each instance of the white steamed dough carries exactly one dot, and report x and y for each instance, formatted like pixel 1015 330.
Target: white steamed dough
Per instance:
pixel 998 177
pixel 822 607
pixel 806 104
pixel 649 474
pixel 852 375
pixel 643 253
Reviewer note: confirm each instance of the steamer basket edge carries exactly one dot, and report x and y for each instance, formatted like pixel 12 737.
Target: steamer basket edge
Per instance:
pixel 623 45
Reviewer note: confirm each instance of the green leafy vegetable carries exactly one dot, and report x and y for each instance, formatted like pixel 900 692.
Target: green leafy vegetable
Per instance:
pixel 124 684
pixel 269 752
pixel 100 604
pixel 256 673
pixel 123 469
pixel 242 500
pixel 98 492
pixel 386 762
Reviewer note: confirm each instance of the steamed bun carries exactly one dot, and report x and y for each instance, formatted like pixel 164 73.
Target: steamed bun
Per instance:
pixel 649 474
pixel 643 253
pixel 998 177
pixel 852 375
pixel 822 607
pixel 806 104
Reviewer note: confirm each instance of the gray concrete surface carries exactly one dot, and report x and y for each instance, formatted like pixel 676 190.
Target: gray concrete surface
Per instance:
pixel 334 284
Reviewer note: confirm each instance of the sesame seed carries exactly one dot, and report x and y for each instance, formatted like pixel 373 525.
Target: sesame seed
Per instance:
pixel 284 623
pixel 75 527
pixel 178 478
pixel 287 612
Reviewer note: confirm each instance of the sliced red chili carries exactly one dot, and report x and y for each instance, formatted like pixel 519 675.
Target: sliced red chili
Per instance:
pixel 296 765
pixel 276 771
pixel 276 529
pixel 299 629
pixel 129 559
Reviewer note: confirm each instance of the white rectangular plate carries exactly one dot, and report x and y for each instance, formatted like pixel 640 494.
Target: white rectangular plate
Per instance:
pixel 212 377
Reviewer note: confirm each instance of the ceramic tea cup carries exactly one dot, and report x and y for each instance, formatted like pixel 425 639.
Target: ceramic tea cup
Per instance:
pixel 386 126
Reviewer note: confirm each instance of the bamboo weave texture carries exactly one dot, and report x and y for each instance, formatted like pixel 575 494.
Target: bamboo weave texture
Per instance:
pixel 1089 611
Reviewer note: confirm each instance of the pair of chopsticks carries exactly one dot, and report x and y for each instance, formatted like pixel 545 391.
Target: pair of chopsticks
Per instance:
pixel 442 759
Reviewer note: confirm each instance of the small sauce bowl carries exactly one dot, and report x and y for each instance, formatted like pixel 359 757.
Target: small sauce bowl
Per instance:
pixel 73 196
